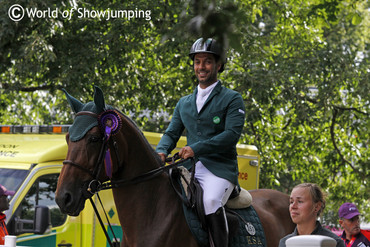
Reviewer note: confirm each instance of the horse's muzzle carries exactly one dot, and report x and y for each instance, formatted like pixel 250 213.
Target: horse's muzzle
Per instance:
pixel 70 203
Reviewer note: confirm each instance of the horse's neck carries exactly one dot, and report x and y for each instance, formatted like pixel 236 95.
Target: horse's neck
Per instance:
pixel 143 206
pixel 149 211
pixel 139 158
pixel 138 155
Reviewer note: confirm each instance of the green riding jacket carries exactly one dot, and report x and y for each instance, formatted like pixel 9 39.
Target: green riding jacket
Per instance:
pixel 212 133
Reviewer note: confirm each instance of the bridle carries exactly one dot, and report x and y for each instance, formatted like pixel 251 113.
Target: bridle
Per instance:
pixel 94 186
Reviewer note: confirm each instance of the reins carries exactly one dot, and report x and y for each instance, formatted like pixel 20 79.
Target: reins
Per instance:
pixel 144 177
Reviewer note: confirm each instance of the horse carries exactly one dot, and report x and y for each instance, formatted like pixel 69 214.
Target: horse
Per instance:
pixel 150 212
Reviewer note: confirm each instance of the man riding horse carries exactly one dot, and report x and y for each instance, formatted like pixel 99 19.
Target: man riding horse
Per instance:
pixel 103 155
pixel 213 117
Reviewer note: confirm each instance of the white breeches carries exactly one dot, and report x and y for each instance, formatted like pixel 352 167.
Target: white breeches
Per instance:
pixel 216 190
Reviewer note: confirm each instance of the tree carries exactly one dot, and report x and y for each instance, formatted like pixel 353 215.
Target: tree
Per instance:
pixel 40 56
pixel 301 67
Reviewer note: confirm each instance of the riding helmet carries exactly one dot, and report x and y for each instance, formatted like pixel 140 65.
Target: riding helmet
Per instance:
pixel 208 46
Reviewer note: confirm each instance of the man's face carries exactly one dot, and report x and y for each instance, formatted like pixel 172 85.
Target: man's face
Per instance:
pixel 4 203
pixel 206 69
pixel 351 226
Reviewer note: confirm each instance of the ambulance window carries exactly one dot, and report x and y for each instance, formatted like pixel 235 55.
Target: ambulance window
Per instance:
pixel 12 178
pixel 42 192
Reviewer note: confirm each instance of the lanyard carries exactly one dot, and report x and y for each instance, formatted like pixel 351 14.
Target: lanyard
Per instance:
pixel 351 241
pixel 4 228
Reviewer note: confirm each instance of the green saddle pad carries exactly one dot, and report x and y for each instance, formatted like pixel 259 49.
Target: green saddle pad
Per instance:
pixel 250 232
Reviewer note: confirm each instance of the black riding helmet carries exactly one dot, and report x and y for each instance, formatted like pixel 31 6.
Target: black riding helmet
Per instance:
pixel 208 46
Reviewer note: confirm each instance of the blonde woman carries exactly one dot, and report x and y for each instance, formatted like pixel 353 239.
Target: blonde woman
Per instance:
pixel 306 204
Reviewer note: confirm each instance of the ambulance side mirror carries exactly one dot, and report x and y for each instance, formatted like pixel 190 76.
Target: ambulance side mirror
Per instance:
pixel 42 220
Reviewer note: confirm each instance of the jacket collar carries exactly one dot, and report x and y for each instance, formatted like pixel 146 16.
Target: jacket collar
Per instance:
pixel 215 91
pixel 315 231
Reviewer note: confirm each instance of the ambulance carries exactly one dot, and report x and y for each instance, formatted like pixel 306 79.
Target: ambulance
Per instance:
pixel 31 158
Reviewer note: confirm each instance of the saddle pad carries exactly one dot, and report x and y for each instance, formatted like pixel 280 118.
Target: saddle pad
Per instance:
pixel 250 232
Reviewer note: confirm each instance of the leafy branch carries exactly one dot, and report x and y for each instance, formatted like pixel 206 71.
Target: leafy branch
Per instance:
pixel 332 134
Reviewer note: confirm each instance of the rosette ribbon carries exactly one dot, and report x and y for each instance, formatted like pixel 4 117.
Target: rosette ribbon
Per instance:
pixel 110 123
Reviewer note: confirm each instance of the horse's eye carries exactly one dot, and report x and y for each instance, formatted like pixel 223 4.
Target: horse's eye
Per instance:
pixel 94 138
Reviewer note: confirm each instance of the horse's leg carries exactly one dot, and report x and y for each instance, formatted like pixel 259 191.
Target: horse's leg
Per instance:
pixel 273 210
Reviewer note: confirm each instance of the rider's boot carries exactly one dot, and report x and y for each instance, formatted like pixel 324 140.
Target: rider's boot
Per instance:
pixel 218 229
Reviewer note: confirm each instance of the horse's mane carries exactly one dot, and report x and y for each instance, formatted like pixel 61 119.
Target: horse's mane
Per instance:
pixel 142 137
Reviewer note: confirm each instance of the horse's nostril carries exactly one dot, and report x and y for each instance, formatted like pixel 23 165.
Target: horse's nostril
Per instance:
pixel 64 200
pixel 67 199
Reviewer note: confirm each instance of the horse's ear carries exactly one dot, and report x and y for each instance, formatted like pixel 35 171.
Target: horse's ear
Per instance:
pixel 99 99
pixel 75 104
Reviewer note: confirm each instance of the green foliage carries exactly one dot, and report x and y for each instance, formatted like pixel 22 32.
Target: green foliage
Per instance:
pixel 301 66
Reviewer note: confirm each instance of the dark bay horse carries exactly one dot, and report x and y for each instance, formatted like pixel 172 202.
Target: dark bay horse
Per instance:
pixel 150 212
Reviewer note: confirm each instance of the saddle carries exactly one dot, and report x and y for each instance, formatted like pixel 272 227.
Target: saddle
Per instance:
pixel 238 217
pixel 239 198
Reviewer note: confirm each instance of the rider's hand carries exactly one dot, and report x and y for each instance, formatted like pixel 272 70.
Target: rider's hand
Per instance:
pixel 162 156
pixel 186 152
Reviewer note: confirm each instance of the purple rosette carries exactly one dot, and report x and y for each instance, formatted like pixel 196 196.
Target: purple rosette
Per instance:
pixel 110 122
